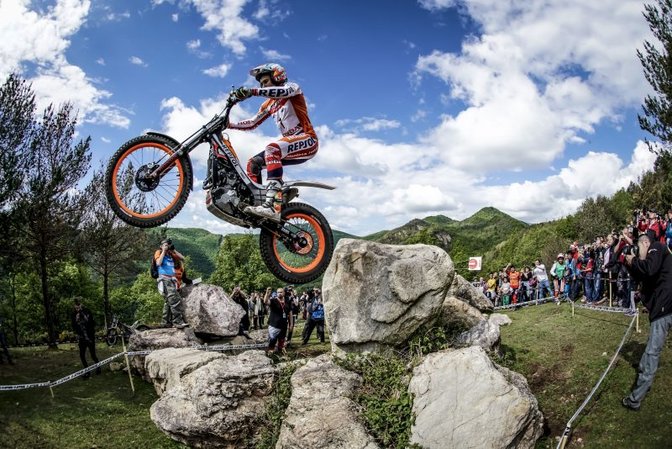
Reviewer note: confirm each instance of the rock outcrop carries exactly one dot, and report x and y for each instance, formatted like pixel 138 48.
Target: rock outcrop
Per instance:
pixel 378 295
pixel 321 413
pixel 462 399
pixel 217 404
pixel 209 310
pixel 463 290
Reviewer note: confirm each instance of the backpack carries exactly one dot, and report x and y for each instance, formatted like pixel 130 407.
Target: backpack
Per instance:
pixel 318 312
pixel 153 269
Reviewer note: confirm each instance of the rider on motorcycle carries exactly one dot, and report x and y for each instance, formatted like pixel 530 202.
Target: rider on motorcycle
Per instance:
pixel 298 142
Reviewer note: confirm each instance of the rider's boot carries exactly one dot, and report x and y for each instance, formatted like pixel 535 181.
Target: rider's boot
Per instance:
pixel 273 203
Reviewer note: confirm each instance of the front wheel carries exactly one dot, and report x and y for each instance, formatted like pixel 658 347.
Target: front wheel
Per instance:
pixel 139 198
pixel 301 248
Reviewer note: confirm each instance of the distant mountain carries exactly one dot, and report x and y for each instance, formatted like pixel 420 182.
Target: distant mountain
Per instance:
pixel 473 236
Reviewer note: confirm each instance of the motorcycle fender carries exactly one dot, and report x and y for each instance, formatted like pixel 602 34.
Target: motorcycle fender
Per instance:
pixel 316 184
pixel 176 145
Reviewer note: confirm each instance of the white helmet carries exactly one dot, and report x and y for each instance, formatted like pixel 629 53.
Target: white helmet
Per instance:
pixel 276 71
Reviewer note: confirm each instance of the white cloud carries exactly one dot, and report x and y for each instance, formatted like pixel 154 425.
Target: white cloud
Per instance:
pixel 536 79
pixel 175 17
pixel 225 17
pixel 274 55
pixel 44 39
pixel 219 71
pixel 368 124
pixel 135 60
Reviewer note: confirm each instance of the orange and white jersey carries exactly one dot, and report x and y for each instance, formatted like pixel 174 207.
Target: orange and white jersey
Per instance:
pixel 288 107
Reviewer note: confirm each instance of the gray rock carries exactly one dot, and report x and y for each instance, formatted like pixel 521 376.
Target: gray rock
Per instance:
pixel 220 404
pixel 456 313
pixel 209 310
pixel 462 289
pixel 154 339
pixel 463 400
pixel 321 412
pixel 166 367
pixel 377 295
pixel 484 334
pixel 500 319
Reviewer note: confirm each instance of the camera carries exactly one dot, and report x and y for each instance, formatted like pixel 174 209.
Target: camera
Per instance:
pixel 630 250
pixel 171 247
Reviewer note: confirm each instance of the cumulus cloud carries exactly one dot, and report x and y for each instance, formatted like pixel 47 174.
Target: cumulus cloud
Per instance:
pixel 368 124
pixel 135 60
pixel 219 71
pixel 536 79
pixel 45 37
pixel 274 55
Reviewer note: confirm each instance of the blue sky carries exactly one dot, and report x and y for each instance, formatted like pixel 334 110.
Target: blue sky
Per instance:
pixel 421 107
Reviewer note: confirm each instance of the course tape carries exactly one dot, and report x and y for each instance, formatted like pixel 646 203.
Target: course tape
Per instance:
pixel 534 302
pixel 568 427
pixel 98 365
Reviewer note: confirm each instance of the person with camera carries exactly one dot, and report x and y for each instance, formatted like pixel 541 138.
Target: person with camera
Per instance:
pixel 651 265
pixel 165 258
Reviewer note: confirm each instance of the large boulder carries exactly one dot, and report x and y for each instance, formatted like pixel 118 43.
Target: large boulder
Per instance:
pixel 459 315
pixel 219 404
pixel 321 412
pixel 209 310
pixel 378 295
pixel 459 393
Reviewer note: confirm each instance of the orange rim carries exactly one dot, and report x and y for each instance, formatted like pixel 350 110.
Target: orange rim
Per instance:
pixel 115 173
pixel 318 238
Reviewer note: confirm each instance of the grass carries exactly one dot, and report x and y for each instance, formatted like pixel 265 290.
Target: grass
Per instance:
pixel 563 357
pixel 100 413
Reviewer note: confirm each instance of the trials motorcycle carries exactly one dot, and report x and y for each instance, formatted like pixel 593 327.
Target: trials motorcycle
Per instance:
pixel 149 178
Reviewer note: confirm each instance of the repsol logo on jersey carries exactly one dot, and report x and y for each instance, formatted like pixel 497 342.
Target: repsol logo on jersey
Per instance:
pixel 301 145
pixel 276 92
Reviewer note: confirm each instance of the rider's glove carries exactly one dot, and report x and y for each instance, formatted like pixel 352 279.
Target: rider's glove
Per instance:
pixel 242 93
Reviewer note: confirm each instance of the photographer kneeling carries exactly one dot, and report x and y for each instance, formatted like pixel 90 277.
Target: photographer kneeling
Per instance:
pixel 651 265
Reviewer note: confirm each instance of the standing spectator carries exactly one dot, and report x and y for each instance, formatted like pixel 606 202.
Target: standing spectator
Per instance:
pixel 85 328
pixel 293 301
pixel 539 272
pixel 668 229
pixel 255 310
pixel 525 278
pixel 239 298
pixel 558 272
pixel 315 314
pixel 599 247
pixel 505 291
pixel 491 286
pixel 514 280
pixel 165 258
pixel 587 269
pixel 653 267
pixel 3 343
pixel 278 320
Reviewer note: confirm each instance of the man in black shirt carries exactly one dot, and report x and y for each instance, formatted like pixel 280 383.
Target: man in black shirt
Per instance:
pixel 85 328
pixel 653 268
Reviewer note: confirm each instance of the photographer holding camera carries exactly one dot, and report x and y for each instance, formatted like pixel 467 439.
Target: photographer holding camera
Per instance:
pixel 651 265
pixel 165 257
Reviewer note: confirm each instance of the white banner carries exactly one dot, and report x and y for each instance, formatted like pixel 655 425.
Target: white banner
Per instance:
pixel 475 263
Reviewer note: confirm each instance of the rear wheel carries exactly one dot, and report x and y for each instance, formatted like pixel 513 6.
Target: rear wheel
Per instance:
pixel 138 198
pixel 301 248
pixel 111 337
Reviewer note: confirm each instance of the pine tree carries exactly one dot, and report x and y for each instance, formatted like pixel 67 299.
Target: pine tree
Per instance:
pixel 657 63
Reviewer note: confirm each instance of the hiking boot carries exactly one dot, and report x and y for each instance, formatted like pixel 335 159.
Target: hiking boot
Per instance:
pixel 630 404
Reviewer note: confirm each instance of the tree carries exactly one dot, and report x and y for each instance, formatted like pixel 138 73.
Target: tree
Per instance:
pixel 48 206
pixel 657 64
pixel 17 106
pixel 239 263
pixel 110 247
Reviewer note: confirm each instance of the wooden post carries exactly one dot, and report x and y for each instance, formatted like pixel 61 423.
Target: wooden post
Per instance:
pixel 128 365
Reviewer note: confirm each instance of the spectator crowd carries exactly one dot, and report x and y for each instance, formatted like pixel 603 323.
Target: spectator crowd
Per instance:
pixel 593 273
